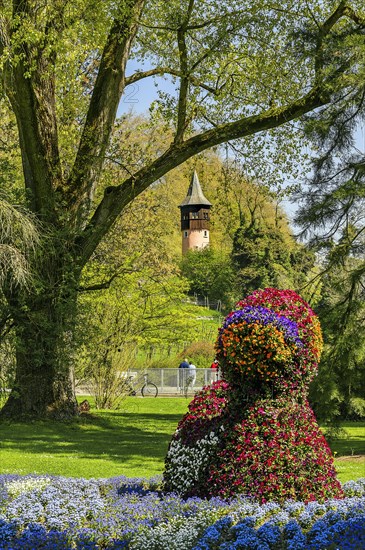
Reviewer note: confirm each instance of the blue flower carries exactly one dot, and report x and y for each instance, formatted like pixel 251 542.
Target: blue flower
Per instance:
pixel 110 514
pixel 294 537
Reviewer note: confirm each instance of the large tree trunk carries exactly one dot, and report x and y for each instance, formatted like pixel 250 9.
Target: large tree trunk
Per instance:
pixel 44 347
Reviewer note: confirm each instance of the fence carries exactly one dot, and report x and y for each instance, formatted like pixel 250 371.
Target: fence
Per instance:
pixel 170 382
pixel 175 381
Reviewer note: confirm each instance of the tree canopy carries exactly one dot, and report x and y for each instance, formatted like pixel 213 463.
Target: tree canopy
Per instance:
pixel 332 218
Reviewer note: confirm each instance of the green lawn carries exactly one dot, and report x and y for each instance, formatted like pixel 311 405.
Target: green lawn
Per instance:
pixel 349 451
pixel 132 442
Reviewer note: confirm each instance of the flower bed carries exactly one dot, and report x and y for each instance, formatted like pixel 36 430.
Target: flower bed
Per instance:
pixel 56 513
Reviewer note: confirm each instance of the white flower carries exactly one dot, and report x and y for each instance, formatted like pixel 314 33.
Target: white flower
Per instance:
pixel 185 464
pixel 18 487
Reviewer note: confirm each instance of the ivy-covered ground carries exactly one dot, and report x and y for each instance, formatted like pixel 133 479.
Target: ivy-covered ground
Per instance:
pixel 44 512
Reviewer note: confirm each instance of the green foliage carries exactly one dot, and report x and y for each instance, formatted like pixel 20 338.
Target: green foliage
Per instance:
pixel 10 156
pixel 209 273
pixel 261 259
pixel 339 389
pixel 138 311
pixel 332 218
pixel 195 325
pixel 262 249
pixel 199 353
pixel 357 407
pixel 19 236
pixel 265 255
pixel 145 307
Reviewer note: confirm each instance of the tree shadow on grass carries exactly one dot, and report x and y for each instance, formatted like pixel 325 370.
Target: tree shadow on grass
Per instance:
pixel 118 437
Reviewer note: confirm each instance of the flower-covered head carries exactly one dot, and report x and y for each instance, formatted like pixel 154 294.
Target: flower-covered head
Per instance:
pixel 288 304
pixel 257 347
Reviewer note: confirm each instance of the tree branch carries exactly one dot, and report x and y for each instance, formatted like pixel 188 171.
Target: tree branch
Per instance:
pixel 116 198
pixel 184 80
pixel 160 71
pixel 109 86
pixel 106 284
pixel 184 86
pixel 342 10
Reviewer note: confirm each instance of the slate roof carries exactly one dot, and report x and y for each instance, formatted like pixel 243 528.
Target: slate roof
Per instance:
pixel 195 195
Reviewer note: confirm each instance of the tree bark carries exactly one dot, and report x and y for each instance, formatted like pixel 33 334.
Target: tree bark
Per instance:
pixel 44 326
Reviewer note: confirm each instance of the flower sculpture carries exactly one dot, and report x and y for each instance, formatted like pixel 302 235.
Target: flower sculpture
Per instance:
pixel 287 304
pixel 257 347
pixel 253 432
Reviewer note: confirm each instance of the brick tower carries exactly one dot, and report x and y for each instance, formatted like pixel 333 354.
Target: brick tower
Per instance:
pixel 194 217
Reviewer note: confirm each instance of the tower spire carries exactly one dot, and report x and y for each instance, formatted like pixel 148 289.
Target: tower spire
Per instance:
pixel 195 195
pixel 195 217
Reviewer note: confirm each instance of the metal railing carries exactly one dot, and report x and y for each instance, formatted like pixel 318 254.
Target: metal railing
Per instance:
pixel 170 382
pixel 176 381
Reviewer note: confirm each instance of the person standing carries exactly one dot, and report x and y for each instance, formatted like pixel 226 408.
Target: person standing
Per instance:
pixel 192 374
pixel 214 368
pixel 184 365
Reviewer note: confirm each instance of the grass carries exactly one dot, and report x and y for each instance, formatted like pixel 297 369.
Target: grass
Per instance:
pixel 349 450
pixel 132 442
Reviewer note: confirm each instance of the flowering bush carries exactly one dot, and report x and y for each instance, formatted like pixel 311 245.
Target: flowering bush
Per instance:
pixel 254 432
pixel 187 465
pixel 290 305
pixel 111 514
pixel 256 346
pixel 276 452
pixel 272 449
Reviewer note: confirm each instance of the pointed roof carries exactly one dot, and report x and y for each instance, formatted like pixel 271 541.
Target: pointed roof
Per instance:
pixel 195 195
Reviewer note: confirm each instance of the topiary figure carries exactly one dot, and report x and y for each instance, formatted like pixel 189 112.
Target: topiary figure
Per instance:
pixel 253 432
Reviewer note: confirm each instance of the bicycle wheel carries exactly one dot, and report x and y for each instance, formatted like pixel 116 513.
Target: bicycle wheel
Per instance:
pixel 149 390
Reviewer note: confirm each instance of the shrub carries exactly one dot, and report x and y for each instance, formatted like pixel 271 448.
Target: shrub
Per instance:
pixel 200 353
pixel 271 450
pixel 357 408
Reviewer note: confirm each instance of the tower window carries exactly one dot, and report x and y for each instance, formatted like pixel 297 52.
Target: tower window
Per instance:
pixel 185 234
pixel 205 233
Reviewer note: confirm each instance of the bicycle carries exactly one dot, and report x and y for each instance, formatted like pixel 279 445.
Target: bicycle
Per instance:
pixel 149 389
